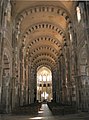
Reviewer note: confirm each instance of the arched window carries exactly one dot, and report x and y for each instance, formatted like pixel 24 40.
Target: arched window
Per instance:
pixel 78 13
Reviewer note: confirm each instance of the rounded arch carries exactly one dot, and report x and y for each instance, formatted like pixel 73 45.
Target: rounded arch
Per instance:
pixel 43 57
pixel 25 41
pixel 44 25
pixel 43 8
pixel 40 66
pixel 45 38
pixel 48 48
pixel 44 64
pixel 52 66
pixel 43 54
pixel 40 70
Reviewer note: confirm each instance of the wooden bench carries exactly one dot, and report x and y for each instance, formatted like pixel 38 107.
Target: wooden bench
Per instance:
pixel 27 109
pixel 58 109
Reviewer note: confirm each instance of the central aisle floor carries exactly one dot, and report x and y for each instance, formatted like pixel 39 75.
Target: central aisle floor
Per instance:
pixel 45 114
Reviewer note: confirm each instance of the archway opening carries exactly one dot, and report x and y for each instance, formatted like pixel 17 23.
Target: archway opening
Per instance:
pixel 44 84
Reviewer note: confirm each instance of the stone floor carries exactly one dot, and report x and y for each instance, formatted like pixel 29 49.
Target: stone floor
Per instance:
pixel 45 114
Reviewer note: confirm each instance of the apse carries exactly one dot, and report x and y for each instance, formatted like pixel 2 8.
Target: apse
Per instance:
pixel 44 84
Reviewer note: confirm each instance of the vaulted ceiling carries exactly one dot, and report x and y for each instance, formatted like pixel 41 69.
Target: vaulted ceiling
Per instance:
pixel 42 28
